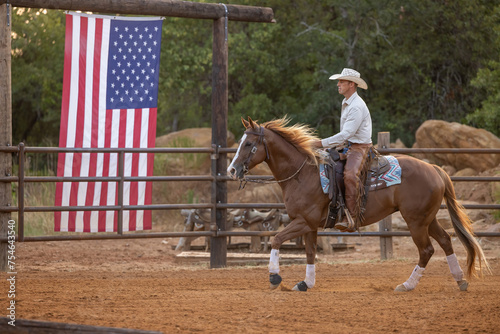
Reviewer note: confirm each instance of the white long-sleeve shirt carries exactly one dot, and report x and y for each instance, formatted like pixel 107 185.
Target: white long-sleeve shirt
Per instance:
pixel 355 123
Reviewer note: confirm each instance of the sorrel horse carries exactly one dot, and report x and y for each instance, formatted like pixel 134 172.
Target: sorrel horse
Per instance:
pixel 293 161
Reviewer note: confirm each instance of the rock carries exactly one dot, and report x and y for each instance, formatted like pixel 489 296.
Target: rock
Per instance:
pixel 441 134
pixel 398 144
pixel 450 170
pixel 480 192
pixel 493 229
pixel 466 172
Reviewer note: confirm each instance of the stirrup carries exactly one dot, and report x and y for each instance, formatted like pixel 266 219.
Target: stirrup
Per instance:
pixel 349 226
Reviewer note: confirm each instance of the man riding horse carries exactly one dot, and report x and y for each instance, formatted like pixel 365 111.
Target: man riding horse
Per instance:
pixel 356 135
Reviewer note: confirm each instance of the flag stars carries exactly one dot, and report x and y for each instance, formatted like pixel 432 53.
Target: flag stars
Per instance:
pixel 133 61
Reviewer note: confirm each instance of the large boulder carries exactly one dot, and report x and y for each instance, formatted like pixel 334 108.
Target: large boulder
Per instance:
pixel 441 134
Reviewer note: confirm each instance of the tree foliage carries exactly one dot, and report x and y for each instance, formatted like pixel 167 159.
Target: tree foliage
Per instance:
pixel 422 59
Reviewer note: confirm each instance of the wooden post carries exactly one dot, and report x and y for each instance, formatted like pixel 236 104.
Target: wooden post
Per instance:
pixel 383 141
pixel 218 245
pixel 5 124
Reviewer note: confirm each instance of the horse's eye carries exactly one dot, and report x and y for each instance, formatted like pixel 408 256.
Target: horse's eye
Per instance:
pixel 248 144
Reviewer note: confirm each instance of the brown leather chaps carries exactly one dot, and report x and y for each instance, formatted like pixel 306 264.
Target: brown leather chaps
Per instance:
pixel 356 155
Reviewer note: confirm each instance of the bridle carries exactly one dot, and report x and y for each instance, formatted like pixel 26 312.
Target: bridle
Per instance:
pixel 253 150
pixel 261 140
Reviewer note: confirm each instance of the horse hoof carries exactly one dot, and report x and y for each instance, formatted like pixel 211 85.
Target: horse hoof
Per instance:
pixel 463 285
pixel 401 288
pixel 301 286
pixel 275 281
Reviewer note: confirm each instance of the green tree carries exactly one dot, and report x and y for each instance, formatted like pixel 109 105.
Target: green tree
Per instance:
pixel 37 69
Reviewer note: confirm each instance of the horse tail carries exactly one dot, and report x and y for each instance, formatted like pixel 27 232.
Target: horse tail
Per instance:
pixel 463 228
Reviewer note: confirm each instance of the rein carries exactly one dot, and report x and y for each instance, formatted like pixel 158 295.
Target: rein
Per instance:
pixel 244 181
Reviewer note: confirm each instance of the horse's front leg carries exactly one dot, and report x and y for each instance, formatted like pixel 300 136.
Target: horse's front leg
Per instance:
pixel 296 228
pixel 311 239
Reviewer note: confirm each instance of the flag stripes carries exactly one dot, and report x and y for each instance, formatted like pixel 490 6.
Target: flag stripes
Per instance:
pixel 89 119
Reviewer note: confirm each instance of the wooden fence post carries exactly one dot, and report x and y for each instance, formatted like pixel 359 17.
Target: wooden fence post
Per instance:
pixel 5 124
pixel 383 141
pixel 218 245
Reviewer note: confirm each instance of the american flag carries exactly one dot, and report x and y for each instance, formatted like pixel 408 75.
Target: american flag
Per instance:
pixel 110 90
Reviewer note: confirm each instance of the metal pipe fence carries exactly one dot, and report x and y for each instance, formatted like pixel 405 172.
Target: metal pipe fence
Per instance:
pixel 22 179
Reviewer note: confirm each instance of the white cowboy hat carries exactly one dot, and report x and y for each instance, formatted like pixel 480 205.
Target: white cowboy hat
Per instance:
pixel 351 75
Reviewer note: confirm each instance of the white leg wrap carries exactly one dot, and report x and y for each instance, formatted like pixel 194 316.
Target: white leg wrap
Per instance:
pixel 310 275
pixel 415 276
pixel 274 261
pixel 455 269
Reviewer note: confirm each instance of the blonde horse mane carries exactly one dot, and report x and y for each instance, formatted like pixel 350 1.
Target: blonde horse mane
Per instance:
pixel 299 135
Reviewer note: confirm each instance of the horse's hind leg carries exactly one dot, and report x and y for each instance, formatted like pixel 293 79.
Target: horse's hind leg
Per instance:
pixel 311 239
pixel 443 238
pixel 420 236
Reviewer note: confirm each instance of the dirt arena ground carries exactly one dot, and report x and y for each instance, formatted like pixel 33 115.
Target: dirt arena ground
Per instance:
pixel 138 284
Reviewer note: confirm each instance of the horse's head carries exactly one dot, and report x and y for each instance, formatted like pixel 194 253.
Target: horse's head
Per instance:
pixel 251 151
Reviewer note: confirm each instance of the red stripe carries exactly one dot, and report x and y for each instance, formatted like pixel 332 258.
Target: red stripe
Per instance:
pixel 80 119
pixel 151 158
pixel 105 170
pixel 95 121
pixel 64 116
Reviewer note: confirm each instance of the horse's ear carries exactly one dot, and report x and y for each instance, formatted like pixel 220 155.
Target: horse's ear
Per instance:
pixel 245 123
pixel 252 123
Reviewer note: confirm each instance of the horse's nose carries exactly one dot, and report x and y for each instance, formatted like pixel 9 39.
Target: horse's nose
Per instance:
pixel 231 171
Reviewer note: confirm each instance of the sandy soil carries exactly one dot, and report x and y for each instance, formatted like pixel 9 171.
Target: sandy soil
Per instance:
pixel 138 284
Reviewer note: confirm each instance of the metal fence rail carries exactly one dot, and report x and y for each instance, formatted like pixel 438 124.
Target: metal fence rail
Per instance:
pixel 22 179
